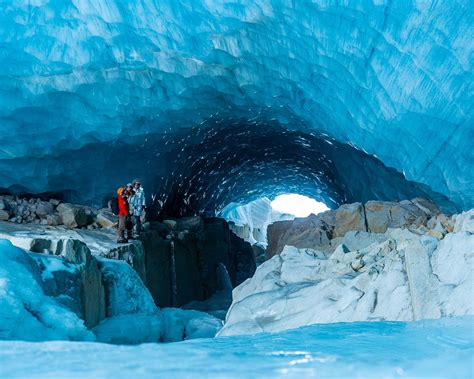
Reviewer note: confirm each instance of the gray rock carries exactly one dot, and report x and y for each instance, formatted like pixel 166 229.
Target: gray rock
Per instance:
pixel 133 253
pixel 378 215
pixel 428 207
pixel 43 209
pixel 73 251
pixel 106 219
pixel 2 205
pixel 4 216
pixel 92 294
pixel 55 202
pixel 313 231
pixel 72 216
pixel 53 220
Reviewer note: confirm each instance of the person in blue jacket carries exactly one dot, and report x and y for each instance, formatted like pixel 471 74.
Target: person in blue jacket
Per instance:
pixel 137 207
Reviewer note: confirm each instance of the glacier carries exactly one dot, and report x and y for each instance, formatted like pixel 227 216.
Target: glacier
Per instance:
pixel 422 349
pixel 347 102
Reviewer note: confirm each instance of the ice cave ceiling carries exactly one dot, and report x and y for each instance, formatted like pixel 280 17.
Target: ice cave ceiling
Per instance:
pixel 212 101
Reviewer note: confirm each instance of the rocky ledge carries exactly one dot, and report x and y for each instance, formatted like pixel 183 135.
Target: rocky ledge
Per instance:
pixel 53 213
pixel 323 230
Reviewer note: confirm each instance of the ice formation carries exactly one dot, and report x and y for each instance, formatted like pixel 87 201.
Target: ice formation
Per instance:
pixel 427 349
pixel 26 312
pixel 252 219
pixel 218 102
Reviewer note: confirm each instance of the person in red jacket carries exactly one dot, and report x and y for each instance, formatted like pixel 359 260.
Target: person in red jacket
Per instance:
pixel 122 215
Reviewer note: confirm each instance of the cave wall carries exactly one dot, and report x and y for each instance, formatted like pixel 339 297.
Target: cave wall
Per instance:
pixel 344 102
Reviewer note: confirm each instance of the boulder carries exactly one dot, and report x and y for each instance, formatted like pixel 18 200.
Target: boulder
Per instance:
pixel 73 251
pixel 275 232
pixel 55 202
pixel 406 214
pixel 350 217
pixel 314 231
pixel 43 209
pixel 72 216
pixel 427 206
pixel 54 219
pixel 4 216
pixel 381 215
pixel 106 219
pixel 92 289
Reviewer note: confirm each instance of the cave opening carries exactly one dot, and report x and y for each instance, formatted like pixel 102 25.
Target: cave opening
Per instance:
pixel 250 220
pixel 298 205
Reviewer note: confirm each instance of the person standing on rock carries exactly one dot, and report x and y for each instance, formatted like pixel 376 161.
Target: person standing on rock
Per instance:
pixel 137 207
pixel 123 213
pixel 130 192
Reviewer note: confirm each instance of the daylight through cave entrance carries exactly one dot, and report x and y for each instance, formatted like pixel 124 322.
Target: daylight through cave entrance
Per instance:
pixel 298 205
pixel 250 220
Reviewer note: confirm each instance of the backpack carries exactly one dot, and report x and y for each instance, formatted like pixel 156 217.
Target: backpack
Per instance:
pixel 114 206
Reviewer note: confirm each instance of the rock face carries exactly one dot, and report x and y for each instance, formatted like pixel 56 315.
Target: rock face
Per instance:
pixel 89 281
pixel 374 216
pixel 132 253
pixel 397 275
pixel 183 257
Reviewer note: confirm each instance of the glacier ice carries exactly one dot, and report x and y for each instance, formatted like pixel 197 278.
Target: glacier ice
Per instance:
pixel 424 349
pixel 26 312
pixel 335 101
pixel 252 219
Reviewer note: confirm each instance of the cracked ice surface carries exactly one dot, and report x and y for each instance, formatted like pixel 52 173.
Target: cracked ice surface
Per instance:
pixel 81 78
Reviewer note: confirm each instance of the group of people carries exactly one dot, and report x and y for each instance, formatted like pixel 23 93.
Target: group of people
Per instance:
pixel 131 208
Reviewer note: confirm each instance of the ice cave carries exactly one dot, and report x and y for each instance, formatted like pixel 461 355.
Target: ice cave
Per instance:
pixel 357 116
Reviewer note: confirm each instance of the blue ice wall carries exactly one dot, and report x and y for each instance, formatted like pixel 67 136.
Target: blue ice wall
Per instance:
pixel 87 86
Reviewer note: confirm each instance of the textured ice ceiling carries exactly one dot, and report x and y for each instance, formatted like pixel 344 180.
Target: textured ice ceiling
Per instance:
pixel 218 101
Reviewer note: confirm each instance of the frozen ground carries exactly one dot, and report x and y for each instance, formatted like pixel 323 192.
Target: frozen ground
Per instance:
pixel 425 349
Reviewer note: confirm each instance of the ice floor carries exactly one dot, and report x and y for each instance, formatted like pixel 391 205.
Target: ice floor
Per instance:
pixel 428 349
